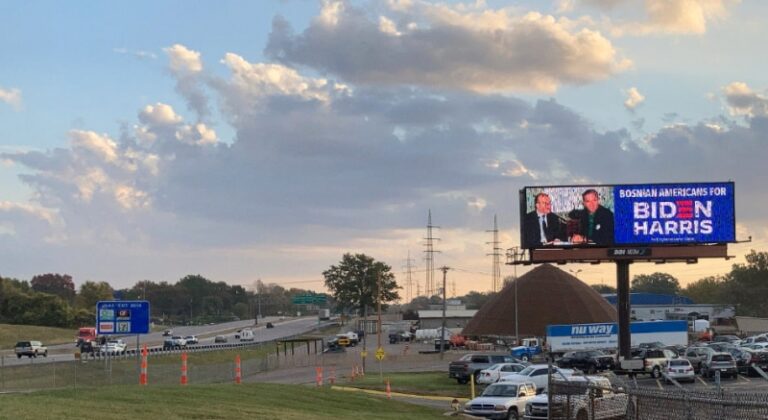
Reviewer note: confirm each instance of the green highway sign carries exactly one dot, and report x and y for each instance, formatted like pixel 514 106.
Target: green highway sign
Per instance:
pixel 310 299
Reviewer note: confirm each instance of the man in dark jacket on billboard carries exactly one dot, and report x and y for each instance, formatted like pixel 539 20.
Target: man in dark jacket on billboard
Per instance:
pixel 595 221
pixel 541 226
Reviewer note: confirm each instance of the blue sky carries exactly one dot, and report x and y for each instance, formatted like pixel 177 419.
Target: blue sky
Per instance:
pixel 244 140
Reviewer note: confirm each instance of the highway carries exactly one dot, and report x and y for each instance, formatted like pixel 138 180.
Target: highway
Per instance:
pixel 282 328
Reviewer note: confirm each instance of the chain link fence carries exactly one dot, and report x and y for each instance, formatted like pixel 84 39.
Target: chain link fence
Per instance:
pixel 616 397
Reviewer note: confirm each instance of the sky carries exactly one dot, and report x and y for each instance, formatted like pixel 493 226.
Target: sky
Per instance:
pixel 245 140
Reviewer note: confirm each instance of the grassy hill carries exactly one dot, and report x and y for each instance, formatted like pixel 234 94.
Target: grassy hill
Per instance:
pixel 10 334
pixel 225 401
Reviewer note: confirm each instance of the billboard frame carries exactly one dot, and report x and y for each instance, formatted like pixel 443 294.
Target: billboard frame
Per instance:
pixel 588 253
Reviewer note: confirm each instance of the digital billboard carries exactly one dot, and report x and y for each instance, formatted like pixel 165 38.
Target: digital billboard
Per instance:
pixel 627 215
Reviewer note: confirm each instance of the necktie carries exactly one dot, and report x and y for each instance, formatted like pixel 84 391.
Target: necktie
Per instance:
pixel 542 226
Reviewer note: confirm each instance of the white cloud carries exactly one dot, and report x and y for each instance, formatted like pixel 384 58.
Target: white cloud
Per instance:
pixel 141 55
pixel 159 114
pixel 741 100
pixel 634 98
pixel 459 47
pixel 11 96
pixel 183 60
pixel 99 145
pixel 646 17
pixel 196 134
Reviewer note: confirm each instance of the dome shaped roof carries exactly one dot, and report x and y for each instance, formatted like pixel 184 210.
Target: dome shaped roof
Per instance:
pixel 547 295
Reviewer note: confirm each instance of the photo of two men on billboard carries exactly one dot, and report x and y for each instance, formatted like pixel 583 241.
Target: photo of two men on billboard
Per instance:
pixel 582 219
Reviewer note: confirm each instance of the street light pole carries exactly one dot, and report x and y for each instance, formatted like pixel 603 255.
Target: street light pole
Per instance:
pixel 444 269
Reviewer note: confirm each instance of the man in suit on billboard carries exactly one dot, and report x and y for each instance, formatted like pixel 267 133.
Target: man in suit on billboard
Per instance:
pixel 541 226
pixel 595 221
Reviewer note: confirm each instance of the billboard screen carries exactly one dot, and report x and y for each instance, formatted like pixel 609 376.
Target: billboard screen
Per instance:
pixel 636 215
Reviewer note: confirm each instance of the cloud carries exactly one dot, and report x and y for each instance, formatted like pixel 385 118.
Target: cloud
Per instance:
pixel 742 100
pixel 634 98
pixel 12 97
pixel 634 17
pixel 141 55
pixel 186 66
pixel 313 162
pixel 440 46
pixel 183 60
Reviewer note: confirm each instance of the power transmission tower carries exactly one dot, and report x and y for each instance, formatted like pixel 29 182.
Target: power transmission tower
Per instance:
pixel 496 270
pixel 453 288
pixel 409 279
pixel 429 284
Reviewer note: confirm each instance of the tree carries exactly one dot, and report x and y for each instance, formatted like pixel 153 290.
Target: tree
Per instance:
pixel 60 285
pixel 707 290
pixel 604 288
pixel 354 282
pixel 92 292
pixel 659 283
pixel 747 285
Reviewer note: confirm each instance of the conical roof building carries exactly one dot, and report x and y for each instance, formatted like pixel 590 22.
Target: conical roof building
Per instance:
pixel 547 295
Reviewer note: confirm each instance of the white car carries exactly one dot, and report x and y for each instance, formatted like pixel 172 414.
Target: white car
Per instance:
pixel 538 374
pixel 191 339
pixel 503 400
pixel 679 370
pixel 493 373
pixel 117 346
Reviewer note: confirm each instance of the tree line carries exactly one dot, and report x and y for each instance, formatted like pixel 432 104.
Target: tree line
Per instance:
pixel 52 300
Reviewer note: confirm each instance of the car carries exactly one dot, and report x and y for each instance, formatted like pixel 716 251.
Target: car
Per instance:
pixel 192 339
pixel 696 355
pixel 167 333
pixel 31 349
pixel 270 325
pixel 116 346
pixel 722 362
pixel 757 359
pixel 654 360
pixel 679 370
pixel 589 361
pixel 725 339
pixel 470 365
pixel 538 374
pixel 220 339
pixel 175 341
pixel 502 400
pixel 493 373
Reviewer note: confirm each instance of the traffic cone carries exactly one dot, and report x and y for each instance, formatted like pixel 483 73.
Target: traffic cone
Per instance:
pixel 354 372
pixel 237 369
pixel 184 368
pixel 332 376
pixel 389 390
pixel 143 375
pixel 319 376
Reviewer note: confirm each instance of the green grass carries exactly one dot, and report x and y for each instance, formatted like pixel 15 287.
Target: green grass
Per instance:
pixel 258 401
pixel 421 383
pixel 10 334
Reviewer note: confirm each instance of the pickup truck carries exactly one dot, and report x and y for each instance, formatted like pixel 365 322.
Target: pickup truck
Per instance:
pixel 597 401
pixel 538 374
pixel 530 347
pixel 501 400
pixel 470 365
pixel 31 349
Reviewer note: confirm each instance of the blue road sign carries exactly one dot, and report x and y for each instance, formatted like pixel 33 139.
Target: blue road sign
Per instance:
pixel 128 317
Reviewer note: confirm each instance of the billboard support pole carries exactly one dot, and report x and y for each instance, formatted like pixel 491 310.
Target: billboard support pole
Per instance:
pixel 623 307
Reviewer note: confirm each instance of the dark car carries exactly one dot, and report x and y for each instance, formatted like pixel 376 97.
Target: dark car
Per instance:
pixel 269 325
pixel 220 339
pixel 725 338
pixel 757 359
pixel 590 361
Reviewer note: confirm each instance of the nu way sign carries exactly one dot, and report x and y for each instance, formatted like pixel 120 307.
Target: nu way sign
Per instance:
pixel 128 317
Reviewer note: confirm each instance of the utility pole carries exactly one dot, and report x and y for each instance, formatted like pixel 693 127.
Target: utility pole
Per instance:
pixel 496 252
pixel 444 269
pixel 378 326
